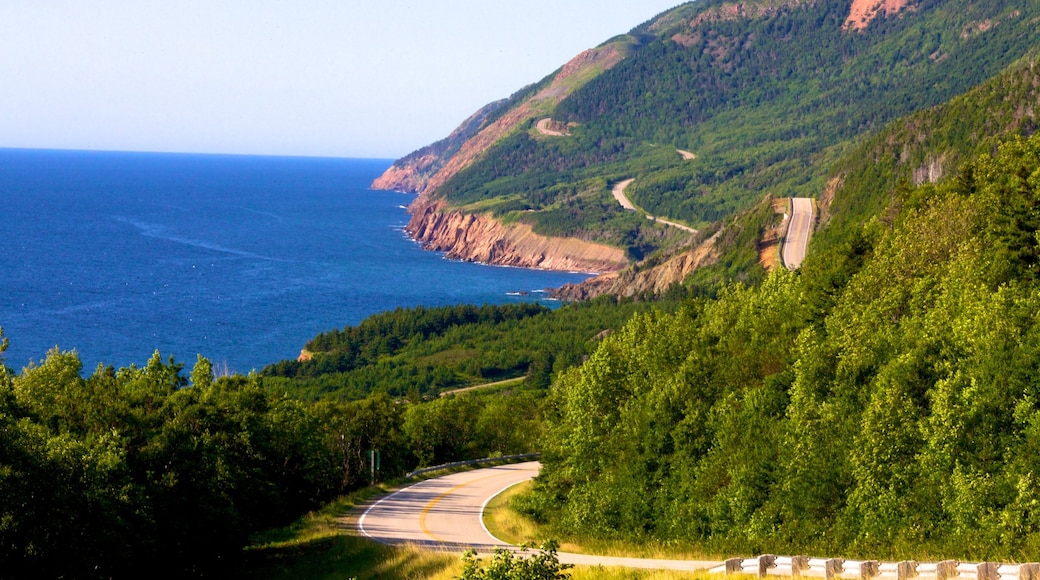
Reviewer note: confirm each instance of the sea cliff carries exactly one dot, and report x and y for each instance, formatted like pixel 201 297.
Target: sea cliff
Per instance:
pixel 480 238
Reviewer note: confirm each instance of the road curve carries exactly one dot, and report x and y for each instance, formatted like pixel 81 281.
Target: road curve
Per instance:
pixel 543 128
pixel 446 514
pixel 798 228
pixel 619 194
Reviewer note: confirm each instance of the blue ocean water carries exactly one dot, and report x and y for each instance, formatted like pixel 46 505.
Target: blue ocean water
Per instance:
pixel 241 259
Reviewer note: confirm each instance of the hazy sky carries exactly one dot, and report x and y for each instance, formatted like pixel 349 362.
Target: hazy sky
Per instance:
pixel 350 78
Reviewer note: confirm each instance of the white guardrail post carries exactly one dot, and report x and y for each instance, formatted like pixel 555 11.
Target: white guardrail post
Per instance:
pixel 800 567
pixel 454 464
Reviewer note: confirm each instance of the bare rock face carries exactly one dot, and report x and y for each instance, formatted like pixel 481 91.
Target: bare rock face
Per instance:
pixel 410 177
pixel 863 11
pixel 411 173
pixel 479 238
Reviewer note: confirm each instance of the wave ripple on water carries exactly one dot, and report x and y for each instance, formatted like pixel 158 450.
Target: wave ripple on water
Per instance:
pixel 241 259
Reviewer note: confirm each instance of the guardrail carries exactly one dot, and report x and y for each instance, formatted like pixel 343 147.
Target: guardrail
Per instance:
pixel 835 568
pixel 478 462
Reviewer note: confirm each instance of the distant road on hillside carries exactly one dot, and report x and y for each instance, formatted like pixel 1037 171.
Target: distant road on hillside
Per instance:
pixel 798 229
pixel 446 513
pixel 619 195
pixel 671 223
pixel 543 128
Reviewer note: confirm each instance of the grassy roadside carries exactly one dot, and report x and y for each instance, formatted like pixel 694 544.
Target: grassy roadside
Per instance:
pixel 508 525
pixel 324 545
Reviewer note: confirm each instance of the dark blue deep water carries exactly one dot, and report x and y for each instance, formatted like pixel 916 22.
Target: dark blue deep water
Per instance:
pixel 240 259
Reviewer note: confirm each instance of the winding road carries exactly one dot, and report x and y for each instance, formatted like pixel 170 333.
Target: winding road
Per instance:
pixel 445 514
pixel 543 128
pixel 619 195
pixel 798 229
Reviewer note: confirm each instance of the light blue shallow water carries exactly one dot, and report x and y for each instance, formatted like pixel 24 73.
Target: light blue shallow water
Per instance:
pixel 240 259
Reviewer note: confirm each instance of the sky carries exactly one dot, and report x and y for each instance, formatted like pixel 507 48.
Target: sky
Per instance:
pixel 340 78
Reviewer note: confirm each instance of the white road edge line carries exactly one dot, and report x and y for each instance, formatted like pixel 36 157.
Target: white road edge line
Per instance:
pixel 484 505
pixel 361 522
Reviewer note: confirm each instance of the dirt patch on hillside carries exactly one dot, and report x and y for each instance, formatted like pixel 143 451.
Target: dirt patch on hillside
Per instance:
pixel 827 198
pixel 769 245
pixel 863 12
pixel 552 128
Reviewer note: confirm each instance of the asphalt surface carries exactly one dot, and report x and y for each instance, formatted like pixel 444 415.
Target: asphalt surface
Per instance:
pixel 798 229
pixel 619 194
pixel 445 514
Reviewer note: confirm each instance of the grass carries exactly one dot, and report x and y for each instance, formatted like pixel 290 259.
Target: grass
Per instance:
pixel 347 556
pixel 506 524
pixel 601 573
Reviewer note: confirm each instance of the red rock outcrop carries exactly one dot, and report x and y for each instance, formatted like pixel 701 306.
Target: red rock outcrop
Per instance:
pixel 479 238
pixel 409 178
pixel 862 12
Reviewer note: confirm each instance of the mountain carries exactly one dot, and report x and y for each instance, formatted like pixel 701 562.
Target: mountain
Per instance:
pixel 715 109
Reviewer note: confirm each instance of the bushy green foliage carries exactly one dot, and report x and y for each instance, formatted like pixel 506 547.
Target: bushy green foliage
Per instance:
pixel 929 145
pixel 504 565
pixel 885 406
pixel 456 428
pixel 101 476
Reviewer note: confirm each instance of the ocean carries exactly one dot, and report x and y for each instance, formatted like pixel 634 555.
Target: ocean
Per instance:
pixel 241 259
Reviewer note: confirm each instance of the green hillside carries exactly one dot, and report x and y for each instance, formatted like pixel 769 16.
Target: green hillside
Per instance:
pixel 767 100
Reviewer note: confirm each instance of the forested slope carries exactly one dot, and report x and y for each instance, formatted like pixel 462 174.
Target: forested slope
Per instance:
pixel 420 352
pixel 881 402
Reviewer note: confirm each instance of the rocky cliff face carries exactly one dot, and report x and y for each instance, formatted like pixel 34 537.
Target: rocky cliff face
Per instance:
pixel 479 238
pixel 410 177
pixel 410 173
pixel 863 11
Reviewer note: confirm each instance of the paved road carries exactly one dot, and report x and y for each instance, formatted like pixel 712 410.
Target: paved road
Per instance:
pixel 543 128
pixel 671 223
pixel 446 514
pixel 516 380
pixel 798 229
pixel 619 195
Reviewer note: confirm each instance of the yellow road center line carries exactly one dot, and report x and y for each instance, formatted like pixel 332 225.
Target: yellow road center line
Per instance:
pixel 436 500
